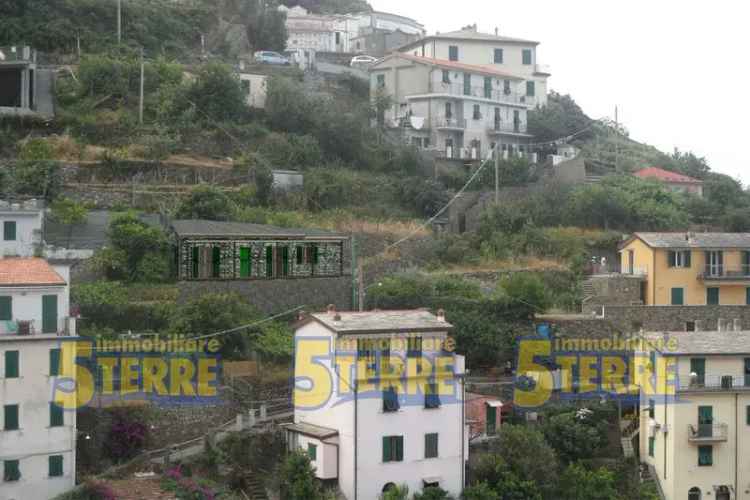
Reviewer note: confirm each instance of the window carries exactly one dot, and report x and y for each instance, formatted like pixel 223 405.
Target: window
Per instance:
pixel 694 494
pixel 55 465
pixel 390 400
pixel 747 372
pixel 6 308
pixel 651 408
pixel 506 87
pixel 690 326
pixel 10 414
pixel 446 76
pixel 245 86
pixel 315 254
pixel 414 347
pixel 498 56
pixel 54 362
pixel 49 313
pixel 9 230
pixel 698 366
pixel 245 262
pixel 747 415
pixel 285 261
pixel 712 296
pixel 487 87
pixel 526 57
pixel 393 448
pixel 431 445
pixel 651 442
pixel 467 84
pixel 196 262
pixel 678 296
pixel 431 396
pixel 448 111
pixel 678 258
pixel 530 89
pixel 381 81
pixel 705 456
pixel 312 451
pixel 269 262
pixel 516 121
pixel 477 112
pixel 216 262
pixel 11 470
pixel 453 53
pixel 11 364
pixel 56 417
pixel 747 296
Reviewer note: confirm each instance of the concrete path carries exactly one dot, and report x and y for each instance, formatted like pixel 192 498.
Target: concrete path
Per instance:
pixel 45 89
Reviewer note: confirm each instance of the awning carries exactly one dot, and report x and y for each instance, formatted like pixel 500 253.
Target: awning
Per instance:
pixel 495 404
pixel 432 480
pixel 310 430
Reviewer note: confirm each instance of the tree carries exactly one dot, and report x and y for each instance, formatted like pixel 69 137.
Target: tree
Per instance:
pixel 266 26
pixel 528 456
pixel 397 492
pixel 526 288
pixel 68 212
pixel 214 95
pixel 433 493
pixel 480 491
pixel 496 474
pixel 297 478
pixel 578 482
pixel 572 436
pixel 206 202
pixel 133 240
pixel 560 117
pixel 737 220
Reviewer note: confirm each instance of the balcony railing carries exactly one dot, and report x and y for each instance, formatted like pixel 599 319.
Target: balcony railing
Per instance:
pixel 714 383
pixel 721 272
pixel 707 433
pixel 450 123
pixel 635 271
pixel 493 94
pixel 65 327
pixel 542 68
pixel 510 128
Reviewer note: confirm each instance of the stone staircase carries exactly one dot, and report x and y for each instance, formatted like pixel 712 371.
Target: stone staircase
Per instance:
pixel 255 488
pixel 587 289
pixel 627 435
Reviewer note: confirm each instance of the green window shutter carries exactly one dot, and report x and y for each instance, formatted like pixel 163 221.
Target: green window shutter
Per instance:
pixel 11 417
pixel 399 448
pixel 712 296
pixel 55 465
pixel 705 455
pixel 446 76
pixel 671 258
pixel 269 262
pixel 56 416
pixel 678 296
pixel 747 415
pixel 54 362
pixel 431 445
pixel 285 261
pixel 315 254
pixel 9 230
pixel 49 314
pixel 244 262
pixel 698 366
pixel 216 262
pixel 6 308
pixel 453 53
pixel 299 254
pixel 488 87
pixel 386 449
pixel 11 470
pixel 527 56
pixel 651 408
pixel 651 442
pixel 467 84
pixel 498 56
pixel 312 451
pixel 747 296
pixel 530 89
pixel 687 260
pixel 490 420
pixel 12 364
pixel 196 262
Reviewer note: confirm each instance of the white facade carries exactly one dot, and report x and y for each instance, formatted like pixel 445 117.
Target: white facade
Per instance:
pixel 319 33
pixel 511 55
pixel 356 414
pixel 462 111
pixel 255 88
pixel 20 228
pixel 389 22
pixel 699 445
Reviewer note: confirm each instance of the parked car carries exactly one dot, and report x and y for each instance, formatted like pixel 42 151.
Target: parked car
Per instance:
pixel 362 61
pixel 268 57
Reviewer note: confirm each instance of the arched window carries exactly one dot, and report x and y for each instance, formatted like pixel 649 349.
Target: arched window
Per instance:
pixel 694 494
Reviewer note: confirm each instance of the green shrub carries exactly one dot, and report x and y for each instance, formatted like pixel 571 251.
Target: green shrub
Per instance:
pixel 206 202
pixel 36 149
pixel 525 288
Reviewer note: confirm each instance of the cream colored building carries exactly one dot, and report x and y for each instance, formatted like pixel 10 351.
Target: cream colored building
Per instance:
pixel 509 55
pixel 697 441
pixel 461 110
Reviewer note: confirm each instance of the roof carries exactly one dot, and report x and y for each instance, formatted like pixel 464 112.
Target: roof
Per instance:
pixel 692 240
pixel 381 321
pixel 442 63
pixel 211 228
pixel 666 176
pixel 701 342
pixel 28 271
pixel 90 235
pixel 312 430
pixel 471 35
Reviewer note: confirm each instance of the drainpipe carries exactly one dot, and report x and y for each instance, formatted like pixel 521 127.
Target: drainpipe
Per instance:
pixel 736 422
pixel 355 277
pixel 666 435
pixel 463 432
pixel 356 385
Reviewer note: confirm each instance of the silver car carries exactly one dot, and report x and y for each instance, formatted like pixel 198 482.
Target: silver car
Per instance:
pixel 268 57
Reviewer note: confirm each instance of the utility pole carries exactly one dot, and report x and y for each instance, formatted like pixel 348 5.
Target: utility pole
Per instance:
pixel 617 141
pixel 78 45
pixel 140 104
pixel 497 174
pixel 119 22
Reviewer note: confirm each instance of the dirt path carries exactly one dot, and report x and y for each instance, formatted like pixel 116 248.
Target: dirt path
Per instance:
pixel 139 489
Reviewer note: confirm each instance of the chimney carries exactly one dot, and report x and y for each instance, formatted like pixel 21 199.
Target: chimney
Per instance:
pixel 331 309
pixel 337 317
pixel 441 315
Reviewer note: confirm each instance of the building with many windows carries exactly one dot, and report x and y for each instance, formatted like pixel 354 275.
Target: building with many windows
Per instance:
pixel 696 441
pixel 37 436
pixel 689 268
pixel 379 401
pixel 461 110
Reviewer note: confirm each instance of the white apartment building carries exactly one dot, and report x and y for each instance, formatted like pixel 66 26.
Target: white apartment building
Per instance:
pixel 20 228
pixel 509 55
pixel 37 437
pixel 698 444
pixel 318 32
pixel 376 405
pixel 464 111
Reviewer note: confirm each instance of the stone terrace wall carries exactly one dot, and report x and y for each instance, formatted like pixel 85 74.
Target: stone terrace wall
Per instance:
pixel 674 318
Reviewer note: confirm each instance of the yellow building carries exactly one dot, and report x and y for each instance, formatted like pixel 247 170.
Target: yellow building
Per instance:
pixel 690 268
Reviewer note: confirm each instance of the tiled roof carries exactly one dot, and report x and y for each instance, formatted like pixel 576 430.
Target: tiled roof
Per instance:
pixel 33 271
pixel 382 321
pixel 442 63
pixel 665 175
pixel 695 240
pixel 471 35
pixel 241 229
pixel 702 342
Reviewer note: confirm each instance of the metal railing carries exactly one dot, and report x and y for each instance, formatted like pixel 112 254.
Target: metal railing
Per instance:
pixel 635 271
pixel 714 382
pixel 500 127
pixel 450 122
pixel 493 94
pixel 707 432
pixel 66 327
pixel 725 272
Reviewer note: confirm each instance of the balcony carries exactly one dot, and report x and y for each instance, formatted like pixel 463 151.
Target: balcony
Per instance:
pixel 638 272
pixel 502 96
pixel 707 433
pixel 450 124
pixel 543 69
pixel 725 273
pixel 66 327
pixel 499 128
pixel 713 383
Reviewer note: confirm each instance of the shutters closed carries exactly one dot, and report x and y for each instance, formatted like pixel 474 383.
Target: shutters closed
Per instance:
pixel 245 262
pixel 49 314
pixel 9 230
pixel 12 362
pixel 431 445
pixel 56 416
pixel 55 465
pixel 10 414
pixel 54 362
pixel 6 308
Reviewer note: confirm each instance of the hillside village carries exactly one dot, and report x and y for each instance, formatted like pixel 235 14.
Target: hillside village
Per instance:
pixel 309 250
